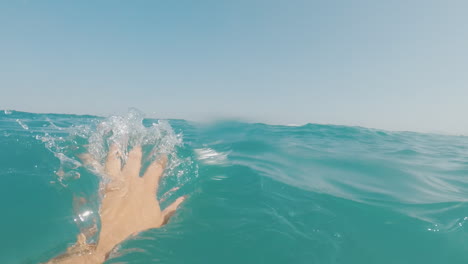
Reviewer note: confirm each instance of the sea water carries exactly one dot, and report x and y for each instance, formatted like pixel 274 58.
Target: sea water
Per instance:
pixel 256 193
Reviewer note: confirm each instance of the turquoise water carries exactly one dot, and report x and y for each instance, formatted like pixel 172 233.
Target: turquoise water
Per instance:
pixel 256 193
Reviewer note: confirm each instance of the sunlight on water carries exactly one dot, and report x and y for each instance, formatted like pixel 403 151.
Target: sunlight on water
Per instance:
pixel 209 156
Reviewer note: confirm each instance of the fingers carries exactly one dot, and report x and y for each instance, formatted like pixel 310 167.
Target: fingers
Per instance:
pixel 133 165
pixel 81 239
pixel 154 173
pixel 171 209
pixel 89 161
pixel 113 163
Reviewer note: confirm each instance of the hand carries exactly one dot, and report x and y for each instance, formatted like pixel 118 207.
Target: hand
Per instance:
pixel 129 204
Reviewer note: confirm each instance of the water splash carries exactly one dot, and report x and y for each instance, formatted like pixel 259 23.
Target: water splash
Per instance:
pixel 127 131
pixel 156 137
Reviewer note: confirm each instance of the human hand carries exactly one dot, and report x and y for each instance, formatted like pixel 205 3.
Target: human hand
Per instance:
pixel 129 205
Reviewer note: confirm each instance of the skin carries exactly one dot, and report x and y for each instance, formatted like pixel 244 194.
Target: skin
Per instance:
pixel 128 206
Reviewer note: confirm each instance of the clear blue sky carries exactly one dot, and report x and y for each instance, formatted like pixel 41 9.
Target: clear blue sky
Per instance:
pixel 398 65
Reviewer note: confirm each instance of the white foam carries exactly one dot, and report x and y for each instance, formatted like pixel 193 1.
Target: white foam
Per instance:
pixel 22 124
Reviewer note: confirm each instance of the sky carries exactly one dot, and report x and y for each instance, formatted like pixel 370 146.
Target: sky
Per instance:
pixel 394 65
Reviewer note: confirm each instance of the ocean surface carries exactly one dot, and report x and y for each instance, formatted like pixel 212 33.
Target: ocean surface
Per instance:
pixel 256 193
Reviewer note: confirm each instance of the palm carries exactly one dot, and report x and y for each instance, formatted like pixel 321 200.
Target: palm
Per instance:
pixel 129 204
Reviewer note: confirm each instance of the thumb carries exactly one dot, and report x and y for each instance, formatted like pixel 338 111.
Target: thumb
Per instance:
pixel 170 210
